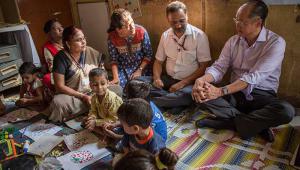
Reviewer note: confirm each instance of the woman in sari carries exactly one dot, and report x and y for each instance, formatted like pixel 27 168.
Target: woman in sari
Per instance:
pixel 129 47
pixel 70 71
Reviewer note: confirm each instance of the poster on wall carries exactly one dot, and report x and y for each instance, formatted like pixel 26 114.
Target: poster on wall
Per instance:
pixel 282 2
pixel 132 6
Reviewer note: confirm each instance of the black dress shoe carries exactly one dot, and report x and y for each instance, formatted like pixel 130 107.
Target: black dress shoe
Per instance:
pixel 267 135
pixel 215 123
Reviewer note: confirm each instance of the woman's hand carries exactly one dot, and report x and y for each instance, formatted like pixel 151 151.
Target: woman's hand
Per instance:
pixel 114 81
pixel 136 74
pixel 87 99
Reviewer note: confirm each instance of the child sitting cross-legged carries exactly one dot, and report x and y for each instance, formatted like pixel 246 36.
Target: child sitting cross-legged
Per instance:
pixel 140 89
pixel 104 106
pixel 31 91
pixel 135 116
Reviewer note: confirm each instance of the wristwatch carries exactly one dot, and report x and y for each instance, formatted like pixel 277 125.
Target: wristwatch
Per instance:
pixel 224 90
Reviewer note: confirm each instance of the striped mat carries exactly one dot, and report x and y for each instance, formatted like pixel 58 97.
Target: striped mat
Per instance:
pixel 223 149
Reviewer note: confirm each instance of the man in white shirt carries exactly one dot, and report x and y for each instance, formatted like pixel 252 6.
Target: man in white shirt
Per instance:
pixel 185 49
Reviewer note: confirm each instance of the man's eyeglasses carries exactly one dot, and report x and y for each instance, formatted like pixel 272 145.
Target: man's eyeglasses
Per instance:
pixel 242 23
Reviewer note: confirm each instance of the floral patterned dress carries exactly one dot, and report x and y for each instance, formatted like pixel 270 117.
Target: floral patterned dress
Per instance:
pixel 129 53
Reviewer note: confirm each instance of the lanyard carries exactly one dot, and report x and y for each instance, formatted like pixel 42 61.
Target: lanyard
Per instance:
pixel 78 65
pixel 181 45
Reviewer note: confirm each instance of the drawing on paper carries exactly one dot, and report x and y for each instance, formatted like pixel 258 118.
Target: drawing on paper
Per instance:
pixel 18 115
pixel 81 156
pixel 77 140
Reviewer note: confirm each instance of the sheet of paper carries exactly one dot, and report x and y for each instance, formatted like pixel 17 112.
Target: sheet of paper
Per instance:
pixel 83 157
pixel 75 123
pixel 44 145
pixel 18 115
pixel 2 123
pixel 40 129
pixel 77 140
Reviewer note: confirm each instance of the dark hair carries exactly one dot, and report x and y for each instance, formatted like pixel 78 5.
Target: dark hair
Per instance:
pixel 27 68
pixel 137 89
pixel 48 25
pixel 259 9
pixel 98 72
pixel 168 157
pixel 117 19
pixel 144 160
pixel 175 6
pixel 137 160
pixel 68 34
pixel 136 111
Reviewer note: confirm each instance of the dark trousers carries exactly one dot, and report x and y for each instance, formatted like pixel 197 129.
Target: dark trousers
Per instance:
pixel 251 117
pixel 163 98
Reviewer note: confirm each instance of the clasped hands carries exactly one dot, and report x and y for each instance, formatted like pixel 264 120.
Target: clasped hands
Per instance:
pixel 204 91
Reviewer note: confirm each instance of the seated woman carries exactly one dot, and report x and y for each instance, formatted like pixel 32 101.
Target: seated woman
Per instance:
pixel 54 30
pixel 129 47
pixel 54 44
pixel 71 67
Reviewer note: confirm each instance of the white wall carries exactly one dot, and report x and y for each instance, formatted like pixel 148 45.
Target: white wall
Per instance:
pixel 94 19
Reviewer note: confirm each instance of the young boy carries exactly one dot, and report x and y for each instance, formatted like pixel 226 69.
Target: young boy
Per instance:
pixel 135 116
pixel 140 89
pixel 105 103
pixel 31 92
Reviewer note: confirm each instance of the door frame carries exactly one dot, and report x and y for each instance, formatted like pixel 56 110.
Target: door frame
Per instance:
pixel 75 12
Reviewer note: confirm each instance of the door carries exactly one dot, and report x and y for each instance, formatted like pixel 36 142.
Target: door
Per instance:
pixel 94 21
